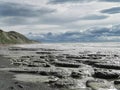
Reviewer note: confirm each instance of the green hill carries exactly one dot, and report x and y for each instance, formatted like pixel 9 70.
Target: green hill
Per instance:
pixel 13 37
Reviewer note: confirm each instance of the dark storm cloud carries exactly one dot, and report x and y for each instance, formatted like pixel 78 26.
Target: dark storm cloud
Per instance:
pixel 21 14
pixel 95 34
pixel 19 10
pixel 95 17
pixel 67 1
pixel 113 10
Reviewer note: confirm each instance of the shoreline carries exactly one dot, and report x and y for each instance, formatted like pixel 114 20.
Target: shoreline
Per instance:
pixel 8 82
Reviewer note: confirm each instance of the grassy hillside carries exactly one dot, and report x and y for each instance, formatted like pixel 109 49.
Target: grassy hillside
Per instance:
pixel 13 37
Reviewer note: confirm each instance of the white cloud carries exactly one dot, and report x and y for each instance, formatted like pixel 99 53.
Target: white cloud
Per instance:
pixel 67 16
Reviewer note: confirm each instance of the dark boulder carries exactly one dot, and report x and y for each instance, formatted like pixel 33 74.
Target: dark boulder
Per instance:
pixel 106 74
pixel 67 64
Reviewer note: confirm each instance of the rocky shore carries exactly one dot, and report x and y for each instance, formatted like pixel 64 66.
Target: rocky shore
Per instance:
pixel 61 69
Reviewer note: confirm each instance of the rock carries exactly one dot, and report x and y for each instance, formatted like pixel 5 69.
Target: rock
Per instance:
pixel 76 74
pixel 64 83
pixel 73 56
pixel 43 52
pixel 61 73
pixel 96 56
pixel 117 82
pixel 107 65
pixel 106 74
pixel 58 72
pixel 94 61
pixel 67 64
pixel 52 79
pixel 100 85
pixel 83 71
pixel 36 64
pixel 20 86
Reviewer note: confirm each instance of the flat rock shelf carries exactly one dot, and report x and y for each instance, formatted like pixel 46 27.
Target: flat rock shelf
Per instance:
pixel 79 66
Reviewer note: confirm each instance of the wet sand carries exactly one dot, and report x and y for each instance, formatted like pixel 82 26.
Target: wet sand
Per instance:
pixel 8 83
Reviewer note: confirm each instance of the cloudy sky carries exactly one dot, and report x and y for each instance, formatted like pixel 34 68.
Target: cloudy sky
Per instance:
pixel 62 20
pixel 41 16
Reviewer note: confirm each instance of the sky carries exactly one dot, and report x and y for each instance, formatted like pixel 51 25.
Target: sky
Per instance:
pixel 58 16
